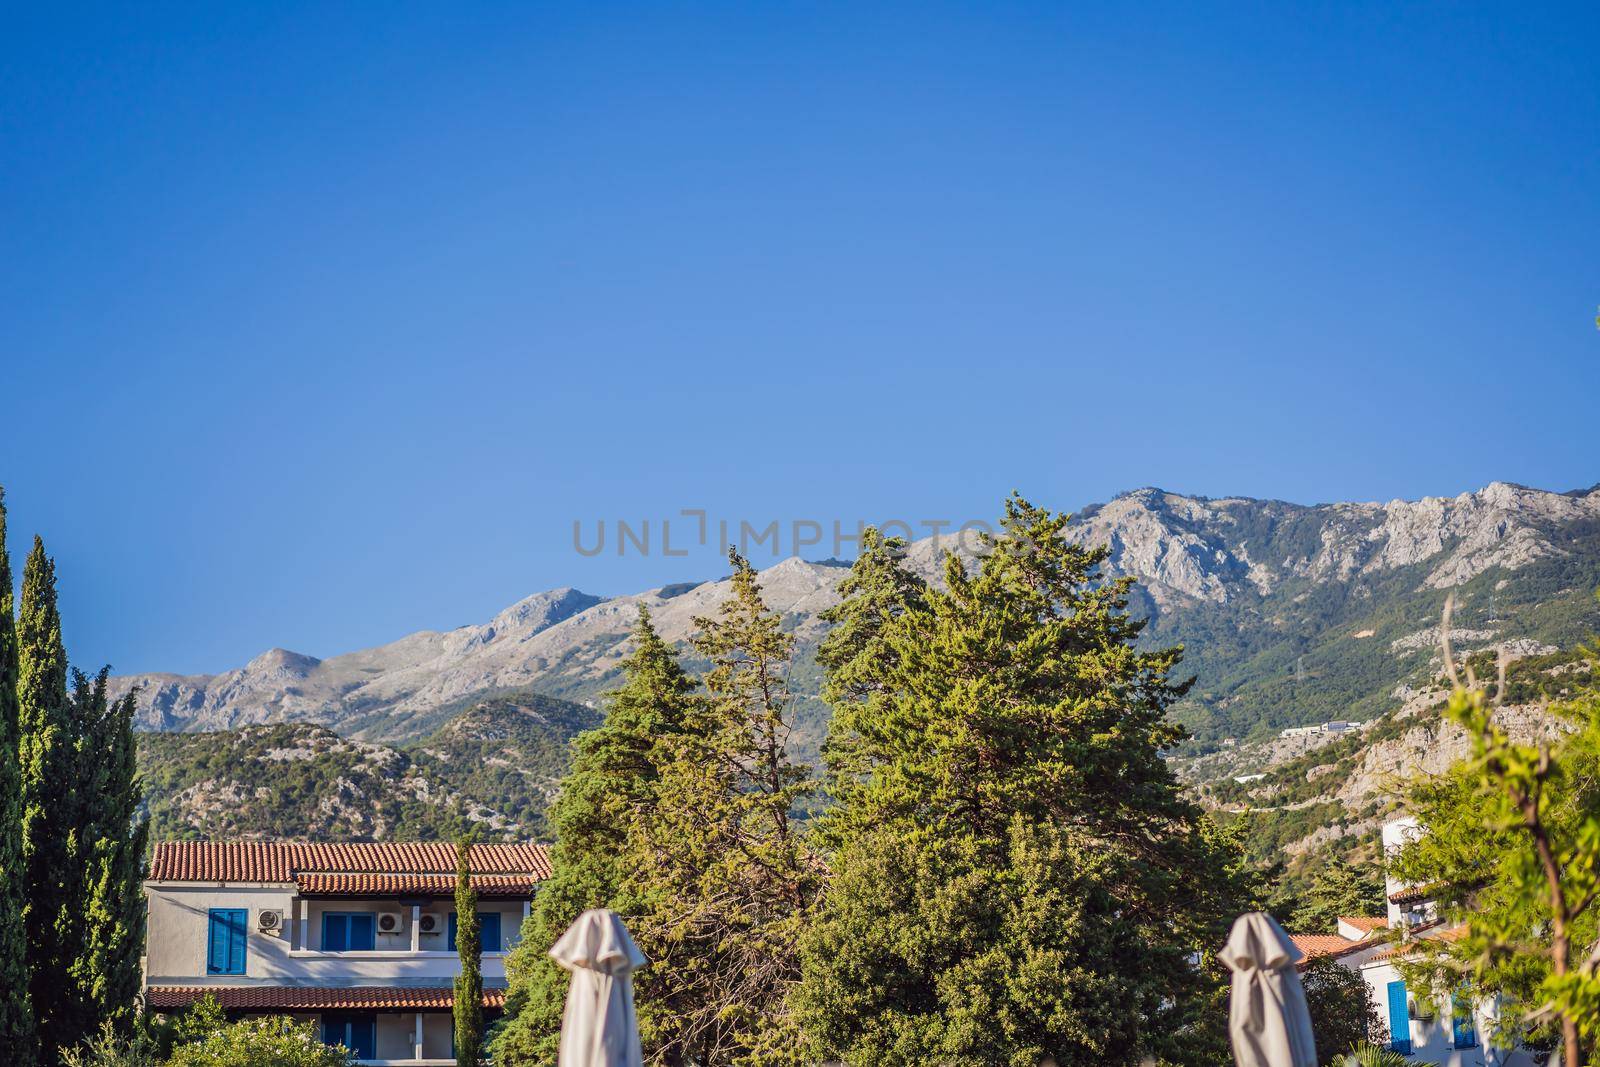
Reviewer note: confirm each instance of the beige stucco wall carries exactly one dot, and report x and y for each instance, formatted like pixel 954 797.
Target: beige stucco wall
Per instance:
pixel 179 918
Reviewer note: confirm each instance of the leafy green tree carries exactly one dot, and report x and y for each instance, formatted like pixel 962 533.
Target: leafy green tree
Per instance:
pixel 1017 874
pixel 725 881
pixel 1511 850
pixel 16 1018
pixel 468 1006
pixel 1338 888
pixel 54 874
pixel 110 1048
pixel 612 784
pixel 115 840
pixel 1343 1014
pixel 267 1041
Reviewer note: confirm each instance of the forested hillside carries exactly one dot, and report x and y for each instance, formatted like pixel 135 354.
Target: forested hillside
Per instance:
pixel 495 764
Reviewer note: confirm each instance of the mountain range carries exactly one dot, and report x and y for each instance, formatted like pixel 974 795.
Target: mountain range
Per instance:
pixel 1289 614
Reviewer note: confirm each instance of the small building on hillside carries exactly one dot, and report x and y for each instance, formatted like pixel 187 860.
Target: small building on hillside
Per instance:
pixel 359 938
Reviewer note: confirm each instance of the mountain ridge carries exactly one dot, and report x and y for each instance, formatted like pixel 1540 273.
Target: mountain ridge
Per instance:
pixel 1259 591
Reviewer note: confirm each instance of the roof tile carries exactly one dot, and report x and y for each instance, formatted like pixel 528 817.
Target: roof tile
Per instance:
pixel 274 861
pixel 310 998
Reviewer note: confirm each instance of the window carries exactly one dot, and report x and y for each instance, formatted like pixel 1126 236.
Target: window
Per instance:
pixel 488 931
pixel 347 931
pixel 225 938
pixel 358 1033
pixel 1399 1019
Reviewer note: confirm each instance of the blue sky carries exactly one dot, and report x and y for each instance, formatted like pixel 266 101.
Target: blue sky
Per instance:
pixel 325 323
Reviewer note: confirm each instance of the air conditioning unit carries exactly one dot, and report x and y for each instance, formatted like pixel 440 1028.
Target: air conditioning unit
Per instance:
pixel 269 920
pixel 428 924
pixel 389 922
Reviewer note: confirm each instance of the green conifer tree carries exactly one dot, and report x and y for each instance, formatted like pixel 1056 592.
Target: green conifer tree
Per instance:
pixel 16 1020
pixel 878 590
pixel 107 974
pixel 611 784
pixel 724 880
pixel 468 1005
pixel 1017 874
pixel 50 806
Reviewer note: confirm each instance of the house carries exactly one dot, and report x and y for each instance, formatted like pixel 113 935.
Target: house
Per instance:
pixel 1435 1027
pixel 359 938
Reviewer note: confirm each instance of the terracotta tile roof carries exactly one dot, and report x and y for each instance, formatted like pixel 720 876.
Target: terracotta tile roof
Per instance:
pixel 1433 933
pixel 271 861
pixel 309 998
pixel 404 885
pixel 1412 894
pixel 1366 923
pixel 1315 945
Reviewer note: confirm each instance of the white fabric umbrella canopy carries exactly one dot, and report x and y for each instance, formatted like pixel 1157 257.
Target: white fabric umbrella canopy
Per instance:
pixel 1267 1018
pixel 599 1027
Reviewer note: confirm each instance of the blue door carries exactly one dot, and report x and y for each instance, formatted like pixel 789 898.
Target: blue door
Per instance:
pixel 1399 1019
pixel 1462 1028
pixel 488 931
pixel 358 1033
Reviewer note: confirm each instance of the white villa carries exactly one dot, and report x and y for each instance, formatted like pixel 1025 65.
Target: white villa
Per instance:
pixel 359 938
pixel 1435 1027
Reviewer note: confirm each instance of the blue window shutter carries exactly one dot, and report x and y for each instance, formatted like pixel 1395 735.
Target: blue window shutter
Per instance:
pixel 361 933
pixel 225 940
pixel 237 932
pixel 217 944
pixel 489 930
pixel 1399 1019
pixel 450 945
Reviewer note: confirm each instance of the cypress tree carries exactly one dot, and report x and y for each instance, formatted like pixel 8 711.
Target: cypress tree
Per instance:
pixel 468 1006
pixel 107 974
pixel 16 1020
pixel 612 784
pixel 50 806
pixel 1016 874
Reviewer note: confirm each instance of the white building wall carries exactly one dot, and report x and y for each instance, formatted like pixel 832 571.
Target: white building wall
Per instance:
pixel 1433 1040
pixel 179 922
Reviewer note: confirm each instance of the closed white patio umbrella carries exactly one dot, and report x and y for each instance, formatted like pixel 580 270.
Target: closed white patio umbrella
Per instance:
pixel 1267 1019
pixel 599 1027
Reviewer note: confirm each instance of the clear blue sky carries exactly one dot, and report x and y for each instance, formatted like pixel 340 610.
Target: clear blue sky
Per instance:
pixel 324 323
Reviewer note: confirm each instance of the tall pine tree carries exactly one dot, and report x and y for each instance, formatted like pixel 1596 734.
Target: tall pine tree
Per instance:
pixel 16 1020
pixel 877 591
pixel 1016 874
pixel 611 785
pixel 52 878
pixel 724 880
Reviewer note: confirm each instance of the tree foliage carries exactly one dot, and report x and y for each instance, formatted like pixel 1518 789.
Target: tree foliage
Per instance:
pixel 54 872
pixel 611 786
pixel 725 881
pixel 16 1017
pixel 1511 851
pixel 1338 888
pixel 1343 1014
pixel 467 1008
pixel 1016 874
